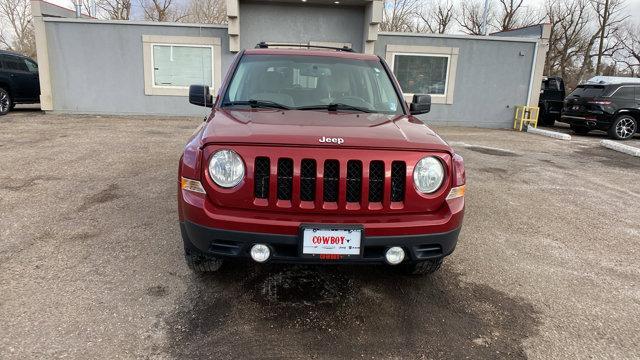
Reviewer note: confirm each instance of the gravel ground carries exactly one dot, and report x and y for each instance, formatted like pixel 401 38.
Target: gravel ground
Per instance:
pixel 91 258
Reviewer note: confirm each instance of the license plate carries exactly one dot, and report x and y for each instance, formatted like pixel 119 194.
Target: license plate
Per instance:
pixel 330 241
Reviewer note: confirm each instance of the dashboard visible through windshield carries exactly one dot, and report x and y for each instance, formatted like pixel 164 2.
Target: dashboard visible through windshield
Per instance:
pixel 312 83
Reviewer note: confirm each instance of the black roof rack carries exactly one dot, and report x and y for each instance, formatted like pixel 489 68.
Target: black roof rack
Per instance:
pixel 264 45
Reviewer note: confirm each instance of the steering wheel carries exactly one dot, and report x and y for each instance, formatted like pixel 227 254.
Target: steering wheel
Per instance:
pixel 353 101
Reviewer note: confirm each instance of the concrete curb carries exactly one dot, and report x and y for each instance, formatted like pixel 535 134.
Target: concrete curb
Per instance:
pixel 552 134
pixel 627 149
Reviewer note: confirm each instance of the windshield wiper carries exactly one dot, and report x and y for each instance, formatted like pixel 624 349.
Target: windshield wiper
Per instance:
pixel 258 104
pixel 335 107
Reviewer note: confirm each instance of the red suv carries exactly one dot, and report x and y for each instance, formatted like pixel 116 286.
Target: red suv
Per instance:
pixel 313 156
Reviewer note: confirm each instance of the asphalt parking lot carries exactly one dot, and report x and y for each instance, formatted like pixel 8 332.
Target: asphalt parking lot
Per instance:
pixel 91 263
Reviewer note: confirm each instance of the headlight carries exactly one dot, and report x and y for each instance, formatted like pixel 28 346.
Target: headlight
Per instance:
pixel 428 175
pixel 226 168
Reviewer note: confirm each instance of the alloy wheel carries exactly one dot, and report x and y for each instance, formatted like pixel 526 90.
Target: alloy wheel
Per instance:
pixel 4 102
pixel 625 128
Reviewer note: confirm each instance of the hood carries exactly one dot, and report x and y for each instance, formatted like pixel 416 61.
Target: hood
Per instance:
pixel 320 128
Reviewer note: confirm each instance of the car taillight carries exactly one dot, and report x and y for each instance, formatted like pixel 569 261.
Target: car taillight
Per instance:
pixel 459 178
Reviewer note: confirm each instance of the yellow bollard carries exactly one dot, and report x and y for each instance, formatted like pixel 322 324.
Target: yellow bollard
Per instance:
pixel 526 115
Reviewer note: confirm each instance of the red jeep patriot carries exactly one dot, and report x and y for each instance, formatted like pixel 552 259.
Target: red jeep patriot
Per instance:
pixel 313 156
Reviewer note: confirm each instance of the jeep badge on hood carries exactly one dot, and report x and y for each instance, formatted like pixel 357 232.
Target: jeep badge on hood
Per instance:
pixel 325 139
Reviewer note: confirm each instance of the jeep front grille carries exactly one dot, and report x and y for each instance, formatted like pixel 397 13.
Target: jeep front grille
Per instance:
pixel 398 178
pixel 285 178
pixel 376 181
pixel 327 183
pixel 354 180
pixel 261 182
pixel 331 180
pixel 308 180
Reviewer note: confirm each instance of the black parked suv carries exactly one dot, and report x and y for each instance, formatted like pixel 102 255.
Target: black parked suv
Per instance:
pixel 551 99
pixel 605 105
pixel 19 82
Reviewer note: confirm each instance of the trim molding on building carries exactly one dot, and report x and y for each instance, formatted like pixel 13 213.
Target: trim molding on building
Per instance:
pixel 461 37
pixel 129 22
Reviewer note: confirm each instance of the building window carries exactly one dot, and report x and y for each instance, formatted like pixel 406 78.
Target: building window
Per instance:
pixel 182 65
pixel 422 74
pixel 172 63
pixel 424 70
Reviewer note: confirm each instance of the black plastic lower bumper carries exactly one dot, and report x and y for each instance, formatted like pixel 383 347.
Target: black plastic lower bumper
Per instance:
pixel 285 248
pixel 599 122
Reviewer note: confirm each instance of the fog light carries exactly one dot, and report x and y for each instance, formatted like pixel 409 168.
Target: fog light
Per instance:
pixel 394 255
pixel 260 253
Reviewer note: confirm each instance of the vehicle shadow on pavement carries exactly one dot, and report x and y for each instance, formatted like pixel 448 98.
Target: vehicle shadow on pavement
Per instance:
pixel 248 311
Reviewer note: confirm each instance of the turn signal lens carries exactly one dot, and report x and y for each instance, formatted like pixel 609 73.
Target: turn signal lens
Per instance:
pixel 460 177
pixel 456 192
pixel 192 185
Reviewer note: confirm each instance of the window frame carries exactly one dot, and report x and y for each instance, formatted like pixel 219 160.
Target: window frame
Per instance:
pixel 153 73
pixel 149 41
pixel 431 51
pixel 633 88
pixel 16 59
pixel 447 74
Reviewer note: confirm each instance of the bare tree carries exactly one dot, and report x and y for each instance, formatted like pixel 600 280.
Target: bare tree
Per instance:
pixel 437 17
pixel 162 10
pixel 16 27
pixel 399 15
pixel 206 12
pixel 513 14
pixel 470 17
pixel 629 58
pixel 611 15
pixel 115 9
pixel 570 26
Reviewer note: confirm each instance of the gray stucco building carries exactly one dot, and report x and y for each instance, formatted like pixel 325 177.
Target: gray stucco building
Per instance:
pixel 129 67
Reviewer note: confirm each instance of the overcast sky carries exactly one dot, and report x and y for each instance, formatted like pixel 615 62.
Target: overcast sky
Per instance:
pixel 633 6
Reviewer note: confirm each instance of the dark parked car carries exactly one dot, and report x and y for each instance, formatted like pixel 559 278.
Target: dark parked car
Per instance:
pixel 552 95
pixel 19 82
pixel 607 104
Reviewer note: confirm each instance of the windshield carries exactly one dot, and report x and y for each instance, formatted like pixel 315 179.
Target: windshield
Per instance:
pixel 312 82
pixel 588 91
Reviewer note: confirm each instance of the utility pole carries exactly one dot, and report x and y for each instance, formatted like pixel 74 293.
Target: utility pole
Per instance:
pixel 604 24
pixel 485 15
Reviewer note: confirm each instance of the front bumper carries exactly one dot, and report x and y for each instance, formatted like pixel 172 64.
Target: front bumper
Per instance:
pixel 286 248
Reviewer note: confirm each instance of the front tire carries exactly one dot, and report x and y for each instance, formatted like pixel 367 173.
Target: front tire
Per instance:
pixel 623 127
pixel 422 267
pixel 201 263
pixel 6 104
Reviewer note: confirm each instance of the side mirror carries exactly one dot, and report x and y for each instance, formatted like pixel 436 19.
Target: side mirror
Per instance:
pixel 199 95
pixel 421 104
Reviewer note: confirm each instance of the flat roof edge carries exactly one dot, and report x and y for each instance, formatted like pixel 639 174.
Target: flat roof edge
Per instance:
pixel 463 37
pixel 129 22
